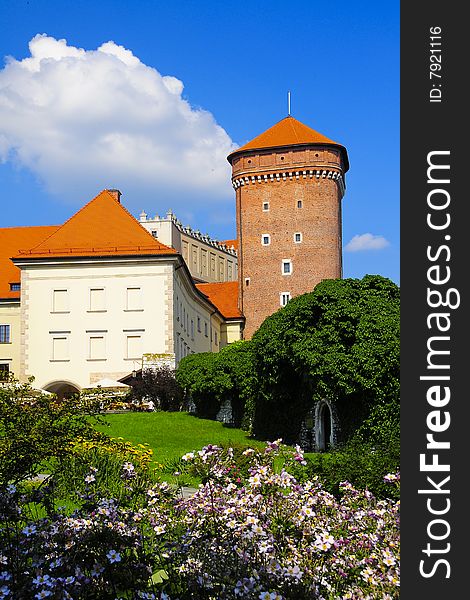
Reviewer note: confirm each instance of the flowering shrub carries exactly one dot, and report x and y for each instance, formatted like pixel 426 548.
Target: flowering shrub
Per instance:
pixel 97 551
pixel 257 534
pixel 271 537
pixel 253 532
pixel 106 455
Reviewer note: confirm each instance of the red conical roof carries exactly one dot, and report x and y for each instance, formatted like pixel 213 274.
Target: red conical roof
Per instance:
pixel 289 132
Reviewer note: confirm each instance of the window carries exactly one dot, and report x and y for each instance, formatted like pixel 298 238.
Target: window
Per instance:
pixel 286 268
pixel 192 329
pixel 205 329
pixel 5 334
pixel 15 287
pixel 134 298
pixel 134 346
pixel 221 269
pixel 299 203
pixel 297 238
pixel 60 345
pixel 247 281
pixel 154 233
pixel 265 206
pixel 177 309
pixel 97 300
pixel 96 345
pixel 199 324
pixel 4 371
pixel 60 301
pixel 284 298
pixel 204 261
pixel 216 338
pixel 265 239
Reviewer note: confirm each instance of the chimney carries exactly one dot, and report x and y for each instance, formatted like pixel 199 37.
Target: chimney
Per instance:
pixel 116 194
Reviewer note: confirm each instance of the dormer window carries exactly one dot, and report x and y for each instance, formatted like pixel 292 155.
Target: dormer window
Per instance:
pixel 15 287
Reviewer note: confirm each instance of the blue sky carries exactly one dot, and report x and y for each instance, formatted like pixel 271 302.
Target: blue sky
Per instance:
pixel 155 112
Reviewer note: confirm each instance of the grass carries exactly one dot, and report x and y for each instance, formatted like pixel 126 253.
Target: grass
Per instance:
pixel 172 434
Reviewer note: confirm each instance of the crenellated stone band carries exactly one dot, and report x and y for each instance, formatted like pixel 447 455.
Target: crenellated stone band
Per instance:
pixel 284 175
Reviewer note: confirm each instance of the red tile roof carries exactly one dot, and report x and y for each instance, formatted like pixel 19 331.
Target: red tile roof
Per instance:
pixel 11 240
pixel 230 243
pixel 224 296
pixel 289 132
pixel 103 227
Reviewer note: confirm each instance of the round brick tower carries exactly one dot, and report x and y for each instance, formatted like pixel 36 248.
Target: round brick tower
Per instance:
pixel 289 182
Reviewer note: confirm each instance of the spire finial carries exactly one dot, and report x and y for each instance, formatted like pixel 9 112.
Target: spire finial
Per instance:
pixel 288 104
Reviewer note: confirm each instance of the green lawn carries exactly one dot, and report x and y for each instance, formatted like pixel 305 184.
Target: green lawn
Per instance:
pixel 172 434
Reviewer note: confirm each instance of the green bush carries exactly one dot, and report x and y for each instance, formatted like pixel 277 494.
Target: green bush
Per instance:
pixel 37 430
pixel 363 465
pixel 211 378
pixel 339 342
pixel 160 386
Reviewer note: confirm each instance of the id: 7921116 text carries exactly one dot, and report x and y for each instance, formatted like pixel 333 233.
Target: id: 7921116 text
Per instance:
pixel 435 64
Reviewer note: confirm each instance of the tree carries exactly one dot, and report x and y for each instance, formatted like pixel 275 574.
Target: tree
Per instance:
pixel 160 386
pixel 211 378
pixel 200 378
pixel 339 342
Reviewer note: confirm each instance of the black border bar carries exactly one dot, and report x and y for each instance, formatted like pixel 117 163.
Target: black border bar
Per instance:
pixel 435 330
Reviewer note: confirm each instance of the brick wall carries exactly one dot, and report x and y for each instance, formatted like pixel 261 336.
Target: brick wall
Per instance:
pixel 318 221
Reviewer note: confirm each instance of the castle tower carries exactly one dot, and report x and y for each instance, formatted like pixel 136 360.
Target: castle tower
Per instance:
pixel 289 182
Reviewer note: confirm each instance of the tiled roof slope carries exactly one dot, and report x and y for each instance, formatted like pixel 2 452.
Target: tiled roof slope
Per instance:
pixel 230 243
pixel 11 240
pixel 103 227
pixel 224 296
pixel 288 132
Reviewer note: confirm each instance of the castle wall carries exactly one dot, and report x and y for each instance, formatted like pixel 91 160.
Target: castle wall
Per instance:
pixel 288 226
pixel 10 351
pixel 208 260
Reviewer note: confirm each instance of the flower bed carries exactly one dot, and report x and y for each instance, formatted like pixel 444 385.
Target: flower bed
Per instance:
pixel 251 530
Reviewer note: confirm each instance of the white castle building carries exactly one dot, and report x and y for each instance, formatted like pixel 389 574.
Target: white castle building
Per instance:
pixel 89 299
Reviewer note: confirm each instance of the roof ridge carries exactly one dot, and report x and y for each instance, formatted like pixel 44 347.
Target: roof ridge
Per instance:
pixel 152 242
pixel 71 217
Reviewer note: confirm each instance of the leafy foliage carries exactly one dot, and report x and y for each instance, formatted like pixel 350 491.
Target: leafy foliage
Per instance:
pixel 340 342
pixel 210 378
pixel 362 464
pixel 36 428
pixel 160 386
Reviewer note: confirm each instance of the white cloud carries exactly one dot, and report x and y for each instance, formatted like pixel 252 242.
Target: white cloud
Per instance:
pixel 366 241
pixel 82 120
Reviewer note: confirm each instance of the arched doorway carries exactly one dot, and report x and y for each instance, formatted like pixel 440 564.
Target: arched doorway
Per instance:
pixel 323 426
pixel 62 389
